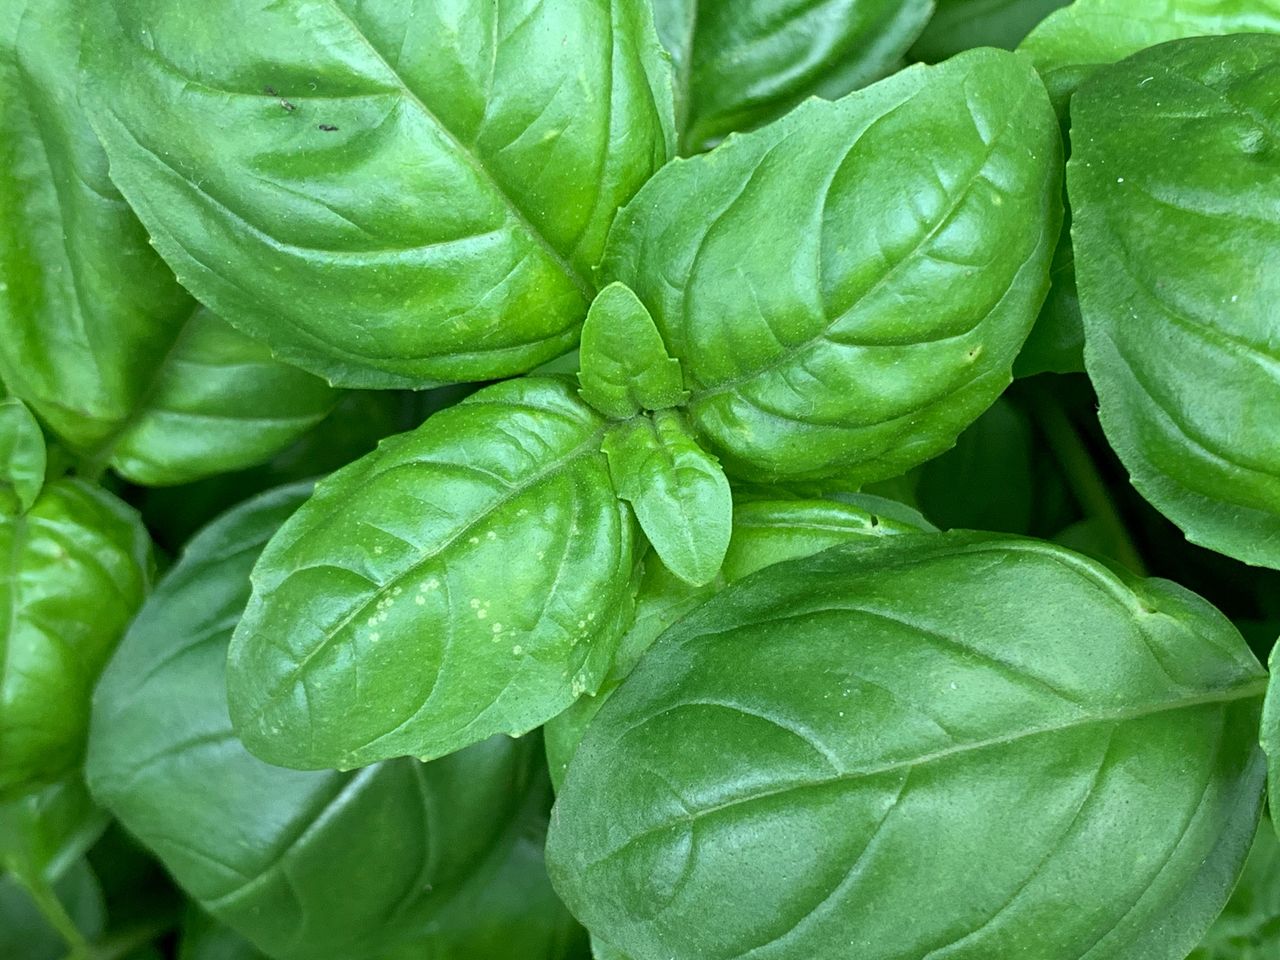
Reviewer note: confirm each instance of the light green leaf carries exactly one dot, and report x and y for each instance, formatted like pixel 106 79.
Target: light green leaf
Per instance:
pixel 22 457
pixel 1180 321
pixel 625 366
pixel 757 785
pixel 958 25
pixel 846 289
pixel 1249 927
pixel 468 578
pixel 678 491
pixel 765 532
pixel 78 567
pixel 95 333
pixel 307 865
pixel 1072 43
pixel 740 63
pixel 388 194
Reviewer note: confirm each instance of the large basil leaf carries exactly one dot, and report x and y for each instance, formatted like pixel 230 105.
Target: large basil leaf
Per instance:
pixel 468 578
pixel 22 457
pixel 740 63
pixel 960 24
pixel 78 565
pixel 1087 34
pixel 388 193
pixel 765 532
pixel 1180 319
pixel 799 764
pixel 307 865
pixel 1249 927
pixel 858 276
pixel 95 333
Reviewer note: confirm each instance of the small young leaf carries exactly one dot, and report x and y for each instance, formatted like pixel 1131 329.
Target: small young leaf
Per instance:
pixel 22 457
pixel 625 365
pixel 677 489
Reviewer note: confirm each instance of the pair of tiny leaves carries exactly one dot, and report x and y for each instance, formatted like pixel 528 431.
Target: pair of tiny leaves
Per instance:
pixel 680 496
pixel 398 856
pixel 793 767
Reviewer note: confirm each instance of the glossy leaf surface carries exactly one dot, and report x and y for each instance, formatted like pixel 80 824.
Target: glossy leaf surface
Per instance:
pixel 1069 45
pixel 22 457
pixel 678 492
pixel 95 333
pixel 765 532
pixel 740 63
pixel 468 578
pixel 858 276
pixel 625 366
pixel 799 764
pixel 78 565
pixel 307 865
pixel 387 193
pixel 1181 319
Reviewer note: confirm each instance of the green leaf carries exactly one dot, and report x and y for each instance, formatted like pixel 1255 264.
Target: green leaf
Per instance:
pixel 307 865
pixel 95 333
pixel 985 482
pixel 1180 322
pixel 625 366
pixel 1056 344
pixel 846 289
pixel 26 933
pixel 78 565
pixel 1072 43
pixel 757 785
pixel 203 938
pixel 22 457
pixel 958 25
pixel 740 63
pixel 43 832
pixel 678 491
pixel 765 532
pixel 468 578
pixel 1249 927
pixel 387 194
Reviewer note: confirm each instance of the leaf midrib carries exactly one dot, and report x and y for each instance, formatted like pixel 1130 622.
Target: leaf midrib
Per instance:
pixel 1244 691
pixel 472 158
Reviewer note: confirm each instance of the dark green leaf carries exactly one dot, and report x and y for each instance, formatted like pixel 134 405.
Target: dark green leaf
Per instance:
pixel 78 567
pixel 1249 927
pixel 22 457
pixel 1180 320
pixel 307 865
pixel 469 578
pixel 958 25
pixel 27 934
pixel 625 366
pixel 740 63
pixel 678 491
pixel 203 938
pixel 847 288
pixel 95 333
pixel 387 193
pixel 920 749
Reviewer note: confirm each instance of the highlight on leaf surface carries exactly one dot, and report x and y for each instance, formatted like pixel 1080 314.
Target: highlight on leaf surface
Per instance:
pixel 402 193
pixel 22 457
pixel 846 288
pixel 468 578
pixel 771 778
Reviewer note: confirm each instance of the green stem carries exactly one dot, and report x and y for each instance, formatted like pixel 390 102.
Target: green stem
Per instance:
pixel 1083 478
pixel 54 912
